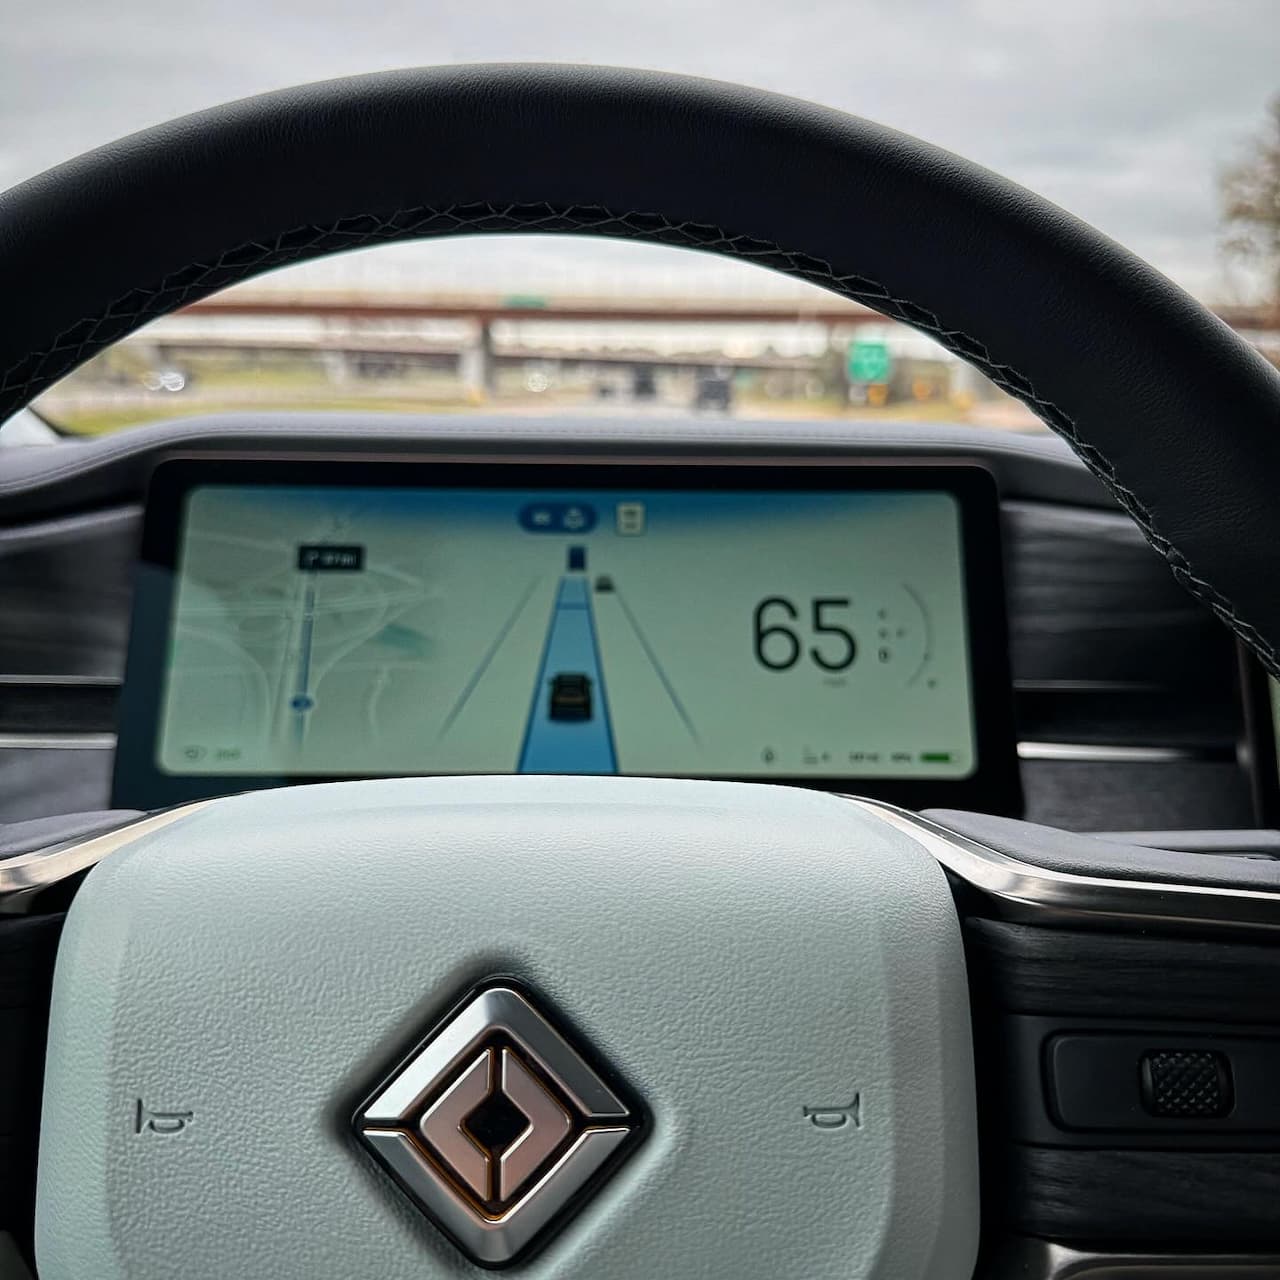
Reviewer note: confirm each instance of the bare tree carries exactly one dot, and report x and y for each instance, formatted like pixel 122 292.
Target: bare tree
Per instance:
pixel 1250 193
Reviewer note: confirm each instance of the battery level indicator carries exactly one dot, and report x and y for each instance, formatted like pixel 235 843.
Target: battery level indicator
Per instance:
pixel 936 757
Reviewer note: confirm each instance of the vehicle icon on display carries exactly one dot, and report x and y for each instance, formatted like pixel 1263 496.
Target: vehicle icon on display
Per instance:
pixel 570 696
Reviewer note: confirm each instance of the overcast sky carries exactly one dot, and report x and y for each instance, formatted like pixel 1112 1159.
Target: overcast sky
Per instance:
pixel 1121 110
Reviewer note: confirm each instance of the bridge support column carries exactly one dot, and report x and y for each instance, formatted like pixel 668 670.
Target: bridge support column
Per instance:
pixel 337 366
pixel 476 363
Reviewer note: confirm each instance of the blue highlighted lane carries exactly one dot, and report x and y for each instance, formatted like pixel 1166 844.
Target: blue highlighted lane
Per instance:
pixel 556 743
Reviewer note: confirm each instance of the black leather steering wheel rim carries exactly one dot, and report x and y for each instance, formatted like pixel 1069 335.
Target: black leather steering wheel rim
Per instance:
pixel 1175 413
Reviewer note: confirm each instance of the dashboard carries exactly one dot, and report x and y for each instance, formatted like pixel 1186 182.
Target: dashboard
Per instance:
pixel 1126 711
pixel 833 622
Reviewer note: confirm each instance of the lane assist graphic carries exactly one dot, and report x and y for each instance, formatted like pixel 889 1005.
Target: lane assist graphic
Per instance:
pixel 568 730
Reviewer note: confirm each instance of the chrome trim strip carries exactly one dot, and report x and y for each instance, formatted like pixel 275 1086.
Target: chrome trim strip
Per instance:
pixel 1112 753
pixel 31 872
pixel 1021 891
pixel 43 680
pixel 1026 1259
pixel 57 741
pixel 1051 685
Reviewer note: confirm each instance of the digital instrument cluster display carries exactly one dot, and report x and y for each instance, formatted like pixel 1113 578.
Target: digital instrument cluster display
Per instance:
pixel 812 624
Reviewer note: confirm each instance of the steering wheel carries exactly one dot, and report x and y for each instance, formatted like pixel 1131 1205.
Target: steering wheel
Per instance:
pixel 605 1027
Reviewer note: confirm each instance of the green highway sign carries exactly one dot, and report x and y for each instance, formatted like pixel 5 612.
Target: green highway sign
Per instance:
pixel 869 361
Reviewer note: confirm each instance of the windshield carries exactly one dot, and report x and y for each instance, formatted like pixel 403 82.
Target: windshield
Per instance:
pixel 1149 120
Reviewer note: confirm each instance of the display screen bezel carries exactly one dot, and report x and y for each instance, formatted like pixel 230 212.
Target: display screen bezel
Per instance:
pixel 993 787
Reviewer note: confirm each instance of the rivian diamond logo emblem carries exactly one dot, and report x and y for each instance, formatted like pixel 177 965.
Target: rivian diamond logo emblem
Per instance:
pixel 497 1127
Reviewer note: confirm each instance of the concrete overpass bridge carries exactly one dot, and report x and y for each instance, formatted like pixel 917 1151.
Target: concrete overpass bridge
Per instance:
pixel 362 335
pixel 354 331
pixel 485 309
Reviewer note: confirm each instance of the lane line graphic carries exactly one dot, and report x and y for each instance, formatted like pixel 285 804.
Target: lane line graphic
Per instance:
pixel 470 687
pixel 657 666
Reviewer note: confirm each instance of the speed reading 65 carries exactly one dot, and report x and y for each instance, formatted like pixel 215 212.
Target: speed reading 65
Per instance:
pixel 779 646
